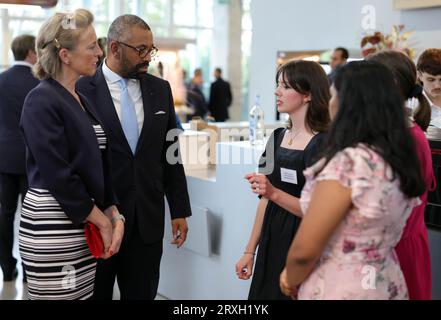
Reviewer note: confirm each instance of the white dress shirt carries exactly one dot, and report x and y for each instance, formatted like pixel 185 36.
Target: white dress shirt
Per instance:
pixel 436 110
pixel 435 118
pixel 134 88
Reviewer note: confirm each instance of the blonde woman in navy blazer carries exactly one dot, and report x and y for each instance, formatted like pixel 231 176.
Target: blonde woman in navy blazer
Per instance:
pixel 67 165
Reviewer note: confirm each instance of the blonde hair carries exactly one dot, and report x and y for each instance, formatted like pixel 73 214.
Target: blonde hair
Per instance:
pixel 62 30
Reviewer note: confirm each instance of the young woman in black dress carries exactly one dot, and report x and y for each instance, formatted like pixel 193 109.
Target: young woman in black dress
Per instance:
pixel 303 93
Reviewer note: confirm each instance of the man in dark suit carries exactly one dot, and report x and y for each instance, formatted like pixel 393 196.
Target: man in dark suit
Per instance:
pixel 220 97
pixel 15 84
pixel 137 110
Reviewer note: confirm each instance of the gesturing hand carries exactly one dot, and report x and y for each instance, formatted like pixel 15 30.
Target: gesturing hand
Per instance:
pixel 260 185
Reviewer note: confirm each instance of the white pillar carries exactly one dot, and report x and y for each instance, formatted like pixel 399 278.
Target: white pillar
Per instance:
pixel 226 52
pixel 220 48
pixel 235 57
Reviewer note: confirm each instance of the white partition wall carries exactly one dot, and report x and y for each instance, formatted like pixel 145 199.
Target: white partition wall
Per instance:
pixel 223 214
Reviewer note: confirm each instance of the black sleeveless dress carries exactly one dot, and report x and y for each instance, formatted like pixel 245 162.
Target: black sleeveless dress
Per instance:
pixel 279 226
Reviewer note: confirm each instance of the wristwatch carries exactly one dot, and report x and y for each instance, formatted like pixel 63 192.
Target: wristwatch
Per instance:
pixel 118 217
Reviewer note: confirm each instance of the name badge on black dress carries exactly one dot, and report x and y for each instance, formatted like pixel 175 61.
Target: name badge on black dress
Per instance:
pixel 288 176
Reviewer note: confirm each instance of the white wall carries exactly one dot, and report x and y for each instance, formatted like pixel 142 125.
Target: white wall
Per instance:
pixel 292 25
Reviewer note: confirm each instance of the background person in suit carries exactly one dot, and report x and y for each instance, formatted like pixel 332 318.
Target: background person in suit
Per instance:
pixel 68 166
pixel 339 58
pixel 220 97
pixel 15 84
pixel 138 110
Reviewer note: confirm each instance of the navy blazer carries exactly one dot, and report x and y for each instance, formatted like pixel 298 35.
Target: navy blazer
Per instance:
pixel 63 155
pixel 15 84
pixel 141 180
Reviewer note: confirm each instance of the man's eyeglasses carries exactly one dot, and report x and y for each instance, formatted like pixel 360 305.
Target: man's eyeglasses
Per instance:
pixel 142 52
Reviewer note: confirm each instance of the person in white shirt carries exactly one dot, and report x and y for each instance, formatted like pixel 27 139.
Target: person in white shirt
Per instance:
pixel 429 74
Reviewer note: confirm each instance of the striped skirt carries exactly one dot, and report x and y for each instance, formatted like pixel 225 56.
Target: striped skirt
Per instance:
pixel 58 263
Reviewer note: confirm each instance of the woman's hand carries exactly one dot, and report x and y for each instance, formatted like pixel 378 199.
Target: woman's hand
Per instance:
pixel 286 288
pixel 261 185
pixel 118 230
pixel 244 267
pixel 103 223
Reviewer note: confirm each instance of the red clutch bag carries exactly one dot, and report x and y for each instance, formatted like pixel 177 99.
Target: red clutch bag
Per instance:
pixel 94 240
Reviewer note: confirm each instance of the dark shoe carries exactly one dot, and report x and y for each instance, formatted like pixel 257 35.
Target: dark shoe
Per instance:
pixel 10 276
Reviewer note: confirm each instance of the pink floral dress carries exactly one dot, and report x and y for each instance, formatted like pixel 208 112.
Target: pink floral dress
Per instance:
pixel 359 261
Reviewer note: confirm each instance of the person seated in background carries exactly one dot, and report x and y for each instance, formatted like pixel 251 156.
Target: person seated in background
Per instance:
pixel 339 58
pixel 358 197
pixel 429 74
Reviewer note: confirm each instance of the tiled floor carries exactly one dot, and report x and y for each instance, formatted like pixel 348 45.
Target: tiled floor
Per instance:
pixel 14 290
pixel 17 290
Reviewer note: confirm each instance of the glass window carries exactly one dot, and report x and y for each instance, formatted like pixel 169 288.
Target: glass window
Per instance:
pixel 100 9
pixel 160 32
pixel 19 27
pixel 25 11
pixel 188 33
pixel 247 27
pixel 246 50
pixel 246 5
pixel 155 11
pixel 246 21
pixel 189 19
pixel 131 6
pixel 184 12
pixel 203 43
pixel 205 13
pixel 101 29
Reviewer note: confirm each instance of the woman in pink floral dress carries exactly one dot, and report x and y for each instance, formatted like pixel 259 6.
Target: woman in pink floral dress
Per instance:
pixel 358 197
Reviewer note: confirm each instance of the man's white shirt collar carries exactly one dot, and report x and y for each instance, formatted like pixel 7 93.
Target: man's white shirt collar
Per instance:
pixel 109 75
pixel 430 101
pixel 112 77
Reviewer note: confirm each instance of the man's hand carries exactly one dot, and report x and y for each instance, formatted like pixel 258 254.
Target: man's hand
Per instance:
pixel 118 230
pixel 179 229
